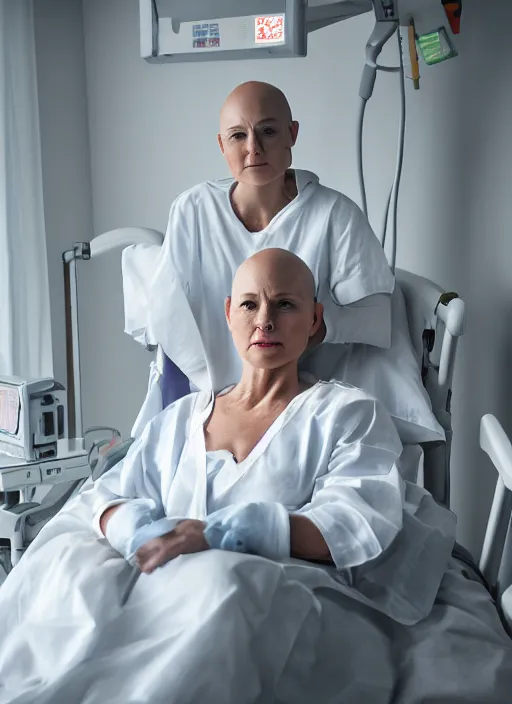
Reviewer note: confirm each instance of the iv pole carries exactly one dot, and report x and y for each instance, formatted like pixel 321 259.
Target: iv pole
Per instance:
pixel 122 237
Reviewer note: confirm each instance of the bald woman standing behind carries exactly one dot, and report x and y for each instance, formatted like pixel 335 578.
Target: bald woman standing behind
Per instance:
pixel 216 225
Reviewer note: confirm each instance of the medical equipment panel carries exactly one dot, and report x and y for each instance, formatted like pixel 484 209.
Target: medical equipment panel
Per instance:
pixel 70 464
pixel 200 30
pixel 190 30
pixel 32 417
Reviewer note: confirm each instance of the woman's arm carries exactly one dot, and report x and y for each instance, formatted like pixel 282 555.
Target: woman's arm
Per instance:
pixel 128 497
pixel 106 516
pixel 357 504
pixel 306 541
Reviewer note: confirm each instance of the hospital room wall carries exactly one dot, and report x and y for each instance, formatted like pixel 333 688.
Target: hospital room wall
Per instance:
pixel 152 134
pixel 67 195
pixel 455 220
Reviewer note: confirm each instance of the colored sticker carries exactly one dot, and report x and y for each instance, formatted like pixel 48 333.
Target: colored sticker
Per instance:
pixel 269 29
pixel 206 36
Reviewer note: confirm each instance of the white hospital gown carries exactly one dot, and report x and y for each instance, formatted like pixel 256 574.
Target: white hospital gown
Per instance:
pixel 205 243
pixel 229 628
pixel 331 456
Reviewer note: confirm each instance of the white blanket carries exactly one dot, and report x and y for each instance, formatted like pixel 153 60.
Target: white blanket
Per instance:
pixel 224 628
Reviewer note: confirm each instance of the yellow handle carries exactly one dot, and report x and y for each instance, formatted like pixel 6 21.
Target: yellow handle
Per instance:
pixel 414 56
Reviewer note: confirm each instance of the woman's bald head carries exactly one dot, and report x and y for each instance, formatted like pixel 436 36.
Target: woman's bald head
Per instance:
pixel 277 270
pixel 254 97
pixel 257 133
pixel 272 312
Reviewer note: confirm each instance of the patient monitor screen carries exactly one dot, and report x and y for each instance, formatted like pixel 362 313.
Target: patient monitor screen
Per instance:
pixel 10 406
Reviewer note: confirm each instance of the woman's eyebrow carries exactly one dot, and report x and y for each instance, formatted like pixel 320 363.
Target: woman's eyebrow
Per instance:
pixel 260 122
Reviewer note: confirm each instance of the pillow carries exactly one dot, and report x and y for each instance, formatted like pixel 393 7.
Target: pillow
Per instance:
pixel 138 265
pixel 390 375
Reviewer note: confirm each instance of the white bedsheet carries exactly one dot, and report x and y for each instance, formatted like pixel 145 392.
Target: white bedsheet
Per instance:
pixel 218 627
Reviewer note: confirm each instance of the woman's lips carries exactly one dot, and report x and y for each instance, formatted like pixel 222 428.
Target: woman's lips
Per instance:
pixel 266 343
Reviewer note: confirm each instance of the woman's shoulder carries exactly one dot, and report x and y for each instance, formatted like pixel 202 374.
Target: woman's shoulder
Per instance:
pixel 198 195
pixel 337 395
pixel 337 212
pixel 180 412
pixel 352 411
pixel 308 181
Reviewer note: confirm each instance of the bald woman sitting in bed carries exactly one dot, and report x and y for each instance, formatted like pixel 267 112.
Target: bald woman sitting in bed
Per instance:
pixel 268 545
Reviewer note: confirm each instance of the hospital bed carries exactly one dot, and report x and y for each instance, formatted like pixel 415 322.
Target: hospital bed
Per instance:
pixel 495 560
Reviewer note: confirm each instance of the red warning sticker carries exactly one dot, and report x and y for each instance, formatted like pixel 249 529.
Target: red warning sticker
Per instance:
pixel 269 29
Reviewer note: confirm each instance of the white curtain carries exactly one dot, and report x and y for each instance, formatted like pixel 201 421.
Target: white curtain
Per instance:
pixel 25 333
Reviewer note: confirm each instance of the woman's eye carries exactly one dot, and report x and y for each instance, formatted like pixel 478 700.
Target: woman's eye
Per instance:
pixel 237 136
pixel 268 131
pixel 285 304
pixel 248 305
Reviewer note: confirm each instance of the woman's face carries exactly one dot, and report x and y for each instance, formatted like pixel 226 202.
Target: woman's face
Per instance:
pixel 257 136
pixel 272 313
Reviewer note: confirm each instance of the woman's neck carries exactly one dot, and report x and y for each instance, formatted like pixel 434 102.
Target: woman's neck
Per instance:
pixel 267 386
pixel 255 206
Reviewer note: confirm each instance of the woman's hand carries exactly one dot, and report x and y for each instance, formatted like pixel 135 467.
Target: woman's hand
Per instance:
pixel 187 537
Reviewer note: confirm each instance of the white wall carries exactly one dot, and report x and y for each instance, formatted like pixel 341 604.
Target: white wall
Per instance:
pixel 486 174
pixel 58 26
pixel 152 134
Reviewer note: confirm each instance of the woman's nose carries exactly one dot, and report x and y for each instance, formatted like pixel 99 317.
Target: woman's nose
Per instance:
pixel 264 319
pixel 254 145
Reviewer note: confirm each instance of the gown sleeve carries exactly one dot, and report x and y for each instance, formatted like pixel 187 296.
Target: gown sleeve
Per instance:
pixel 357 504
pixel 141 482
pixel 134 481
pixel 358 307
pixel 359 267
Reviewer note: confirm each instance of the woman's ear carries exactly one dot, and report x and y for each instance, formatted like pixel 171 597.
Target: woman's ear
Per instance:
pixel 294 131
pixel 318 319
pixel 227 310
pixel 318 330
pixel 220 143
